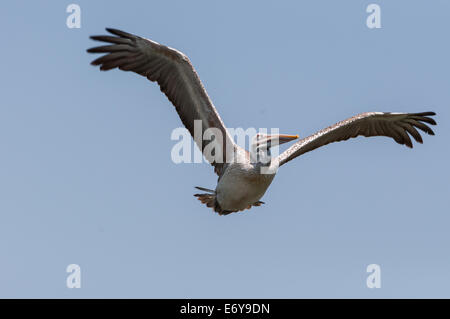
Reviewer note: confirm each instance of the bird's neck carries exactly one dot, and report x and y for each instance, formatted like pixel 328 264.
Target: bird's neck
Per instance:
pixel 261 156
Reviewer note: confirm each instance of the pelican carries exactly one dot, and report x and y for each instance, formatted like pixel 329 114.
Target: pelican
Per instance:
pixel 241 182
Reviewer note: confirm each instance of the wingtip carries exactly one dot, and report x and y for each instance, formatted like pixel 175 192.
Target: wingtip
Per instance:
pixel 97 38
pixel 429 113
pixel 430 120
pixel 120 33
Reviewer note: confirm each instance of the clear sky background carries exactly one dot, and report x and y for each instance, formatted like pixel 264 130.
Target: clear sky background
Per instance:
pixel 86 175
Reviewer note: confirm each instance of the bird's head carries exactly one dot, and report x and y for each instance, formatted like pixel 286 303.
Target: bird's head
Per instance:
pixel 262 143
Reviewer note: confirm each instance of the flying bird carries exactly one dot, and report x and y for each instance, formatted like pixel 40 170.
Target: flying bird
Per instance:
pixel 242 181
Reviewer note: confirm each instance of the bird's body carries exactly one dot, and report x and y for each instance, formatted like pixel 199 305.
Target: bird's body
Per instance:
pixel 241 186
pixel 243 176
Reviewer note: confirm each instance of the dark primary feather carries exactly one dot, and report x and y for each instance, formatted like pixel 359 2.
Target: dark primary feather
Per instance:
pixel 395 125
pixel 175 75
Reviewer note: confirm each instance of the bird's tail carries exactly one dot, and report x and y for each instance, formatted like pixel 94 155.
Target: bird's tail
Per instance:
pixel 208 199
pixel 205 189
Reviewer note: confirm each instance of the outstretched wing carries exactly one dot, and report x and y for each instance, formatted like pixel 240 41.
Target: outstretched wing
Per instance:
pixel 176 77
pixel 394 125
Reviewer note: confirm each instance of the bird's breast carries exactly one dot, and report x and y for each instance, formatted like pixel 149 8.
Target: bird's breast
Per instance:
pixel 241 186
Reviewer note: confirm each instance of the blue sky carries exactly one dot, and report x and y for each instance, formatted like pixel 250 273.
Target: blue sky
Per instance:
pixel 86 176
